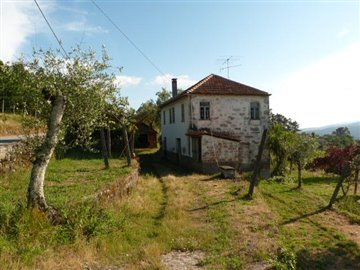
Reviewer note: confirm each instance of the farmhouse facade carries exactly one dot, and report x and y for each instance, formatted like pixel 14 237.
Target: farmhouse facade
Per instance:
pixel 213 123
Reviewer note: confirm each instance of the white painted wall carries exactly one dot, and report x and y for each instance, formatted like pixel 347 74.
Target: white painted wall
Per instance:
pixel 177 129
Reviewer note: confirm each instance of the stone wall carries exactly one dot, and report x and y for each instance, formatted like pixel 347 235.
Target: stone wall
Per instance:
pixel 222 150
pixel 231 115
pixel 120 187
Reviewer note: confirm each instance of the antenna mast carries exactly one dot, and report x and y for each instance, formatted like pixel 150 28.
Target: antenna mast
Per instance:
pixel 227 67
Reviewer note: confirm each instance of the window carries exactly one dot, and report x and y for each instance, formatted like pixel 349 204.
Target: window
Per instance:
pixel 254 110
pixel 164 117
pixel 182 113
pixel 204 110
pixel 172 115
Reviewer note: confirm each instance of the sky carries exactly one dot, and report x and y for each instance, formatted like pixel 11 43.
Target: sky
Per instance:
pixel 305 53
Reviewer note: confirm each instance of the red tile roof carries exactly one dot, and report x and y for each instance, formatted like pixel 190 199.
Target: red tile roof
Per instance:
pixel 217 85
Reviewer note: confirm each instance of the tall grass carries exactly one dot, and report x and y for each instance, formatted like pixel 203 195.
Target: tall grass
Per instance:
pixel 26 235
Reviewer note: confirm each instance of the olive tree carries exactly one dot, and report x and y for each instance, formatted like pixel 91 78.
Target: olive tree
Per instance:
pixel 76 90
pixel 304 149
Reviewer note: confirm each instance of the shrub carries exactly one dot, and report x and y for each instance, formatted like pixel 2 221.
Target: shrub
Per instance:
pixel 285 260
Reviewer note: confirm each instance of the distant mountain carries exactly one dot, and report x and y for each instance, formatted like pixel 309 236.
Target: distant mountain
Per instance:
pixel 354 129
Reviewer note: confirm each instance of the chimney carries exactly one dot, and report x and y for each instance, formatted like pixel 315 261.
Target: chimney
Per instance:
pixel 174 87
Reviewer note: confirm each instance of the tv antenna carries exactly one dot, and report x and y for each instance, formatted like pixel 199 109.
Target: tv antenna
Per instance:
pixel 227 62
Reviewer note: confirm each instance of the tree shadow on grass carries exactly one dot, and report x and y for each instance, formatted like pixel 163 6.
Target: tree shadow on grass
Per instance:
pixel 211 204
pixel 342 255
pixel 149 162
pixel 307 215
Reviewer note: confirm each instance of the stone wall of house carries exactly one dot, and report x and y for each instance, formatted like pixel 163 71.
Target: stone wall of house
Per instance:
pixel 217 149
pixel 231 115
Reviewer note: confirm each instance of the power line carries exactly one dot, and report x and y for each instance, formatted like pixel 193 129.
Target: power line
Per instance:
pixel 52 30
pixel 128 39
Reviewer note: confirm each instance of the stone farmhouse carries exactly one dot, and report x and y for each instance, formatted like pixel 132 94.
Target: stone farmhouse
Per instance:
pixel 213 123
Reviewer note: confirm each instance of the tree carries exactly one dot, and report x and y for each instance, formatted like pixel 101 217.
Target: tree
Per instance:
pixel 76 90
pixel 280 144
pixel 341 137
pixel 148 114
pixel 162 96
pixel 355 167
pixel 339 161
pixel 149 111
pixel 15 91
pixel 257 167
pixel 303 151
pixel 287 123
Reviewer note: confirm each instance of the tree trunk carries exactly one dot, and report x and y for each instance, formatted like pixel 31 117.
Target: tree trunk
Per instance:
pixel 104 149
pixel 126 145
pixel 108 142
pixel 356 180
pixel 299 174
pixel 337 189
pixel 257 165
pixel 132 142
pixel 35 194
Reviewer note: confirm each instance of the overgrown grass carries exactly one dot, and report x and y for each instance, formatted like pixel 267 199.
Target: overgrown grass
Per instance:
pixel 26 235
pixel 304 226
pixel 350 206
pixel 10 124
pixel 172 209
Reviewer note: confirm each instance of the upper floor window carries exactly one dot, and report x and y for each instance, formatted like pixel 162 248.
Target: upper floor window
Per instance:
pixel 170 116
pixel 173 114
pixel 182 113
pixel 204 110
pixel 164 117
pixel 254 110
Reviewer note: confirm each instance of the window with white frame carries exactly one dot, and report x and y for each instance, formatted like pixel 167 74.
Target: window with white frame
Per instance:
pixel 204 110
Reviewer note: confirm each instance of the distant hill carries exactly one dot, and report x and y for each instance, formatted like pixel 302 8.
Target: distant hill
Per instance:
pixel 354 129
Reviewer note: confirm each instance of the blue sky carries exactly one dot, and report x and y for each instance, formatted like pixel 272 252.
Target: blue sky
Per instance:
pixel 305 53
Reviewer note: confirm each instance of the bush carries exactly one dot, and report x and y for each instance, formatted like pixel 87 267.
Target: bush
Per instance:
pixel 285 260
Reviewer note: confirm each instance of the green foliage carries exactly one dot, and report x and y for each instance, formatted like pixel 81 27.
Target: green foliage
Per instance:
pixel 83 79
pixel 149 111
pixel 286 260
pixel 287 123
pixel 27 234
pixel 350 206
pixel 280 141
pixel 341 137
pixel 15 90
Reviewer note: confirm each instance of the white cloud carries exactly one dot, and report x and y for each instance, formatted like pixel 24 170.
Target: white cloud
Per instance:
pixel 17 24
pixel 325 92
pixel 124 81
pixel 183 81
pixel 83 26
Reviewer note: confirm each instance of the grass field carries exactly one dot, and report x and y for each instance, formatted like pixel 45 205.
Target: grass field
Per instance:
pixel 174 210
pixel 10 124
